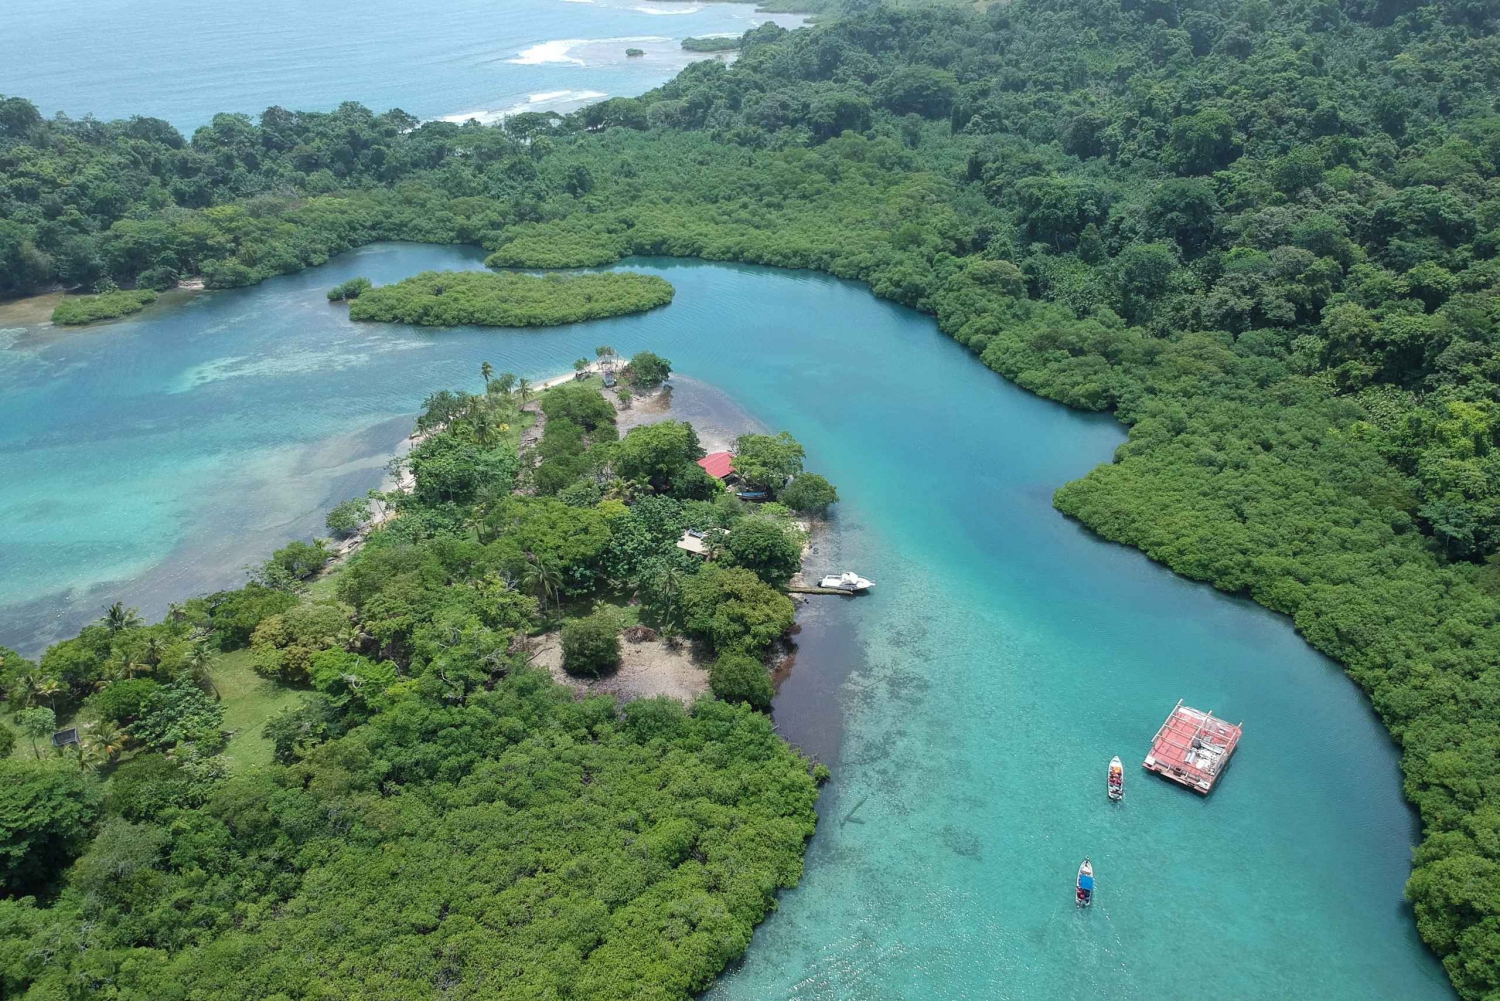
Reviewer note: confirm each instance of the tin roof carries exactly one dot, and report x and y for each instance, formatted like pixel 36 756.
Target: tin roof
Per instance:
pixel 718 464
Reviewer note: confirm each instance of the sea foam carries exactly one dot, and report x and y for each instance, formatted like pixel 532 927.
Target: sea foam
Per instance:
pixel 552 100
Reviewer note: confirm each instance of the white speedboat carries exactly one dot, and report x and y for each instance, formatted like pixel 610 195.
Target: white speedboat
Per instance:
pixel 846 581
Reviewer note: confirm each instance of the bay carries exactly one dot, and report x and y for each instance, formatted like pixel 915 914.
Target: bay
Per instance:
pixel 968 705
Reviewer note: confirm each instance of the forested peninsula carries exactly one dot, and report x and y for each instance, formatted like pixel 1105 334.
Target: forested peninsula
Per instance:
pixel 437 815
pixel 1263 234
pixel 454 298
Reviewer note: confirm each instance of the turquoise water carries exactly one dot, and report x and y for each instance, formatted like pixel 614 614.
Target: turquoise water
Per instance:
pixel 113 59
pixel 969 705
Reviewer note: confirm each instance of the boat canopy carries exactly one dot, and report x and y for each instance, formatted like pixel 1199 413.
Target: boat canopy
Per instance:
pixel 1086 883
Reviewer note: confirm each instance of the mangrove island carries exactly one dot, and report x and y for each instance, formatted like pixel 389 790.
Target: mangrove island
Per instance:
pixel 483 298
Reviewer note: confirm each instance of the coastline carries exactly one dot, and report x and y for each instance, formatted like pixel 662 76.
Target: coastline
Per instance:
pixel 34 312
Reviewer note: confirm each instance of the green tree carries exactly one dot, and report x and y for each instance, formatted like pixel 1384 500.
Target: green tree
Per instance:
pixel 176 714
pixel 346 518
pixel 284 645
pixel 581 404
pixel 199 666
pixel 544 578
pixel 766 462
pixel 122 702
pixel 46 812
pixel 297 729
pixel 647 370
pixel 591 645
pixel 1201 143
pixel 769 548
pixel 118 618
pixel 656 454
pixel 736 677
pixel 809 493
pixel 37 723
pixel 733 609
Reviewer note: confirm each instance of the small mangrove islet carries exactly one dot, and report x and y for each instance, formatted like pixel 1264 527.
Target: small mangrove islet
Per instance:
pixel 458 298
pixel 76 310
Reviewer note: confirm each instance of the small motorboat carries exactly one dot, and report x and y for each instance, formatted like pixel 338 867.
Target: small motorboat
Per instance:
pixel 846 581
pixel 1116 779
pixel 1085 895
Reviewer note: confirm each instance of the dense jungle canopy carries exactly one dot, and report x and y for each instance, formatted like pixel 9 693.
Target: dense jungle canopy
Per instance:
pixel 1263 233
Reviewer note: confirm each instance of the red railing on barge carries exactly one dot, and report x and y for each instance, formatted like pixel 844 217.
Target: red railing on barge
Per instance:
pixel 1192 748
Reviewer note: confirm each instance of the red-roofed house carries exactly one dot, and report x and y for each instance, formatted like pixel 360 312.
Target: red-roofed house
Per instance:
pixel 719 465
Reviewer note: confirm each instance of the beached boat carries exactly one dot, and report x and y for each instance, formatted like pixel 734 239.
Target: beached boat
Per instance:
pixel 1085 892
pixel 846 581
pixel 1116 778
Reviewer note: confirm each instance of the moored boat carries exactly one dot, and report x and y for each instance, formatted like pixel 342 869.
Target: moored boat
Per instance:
pixel 846 581
pixel 1085 892
pixel 1116 778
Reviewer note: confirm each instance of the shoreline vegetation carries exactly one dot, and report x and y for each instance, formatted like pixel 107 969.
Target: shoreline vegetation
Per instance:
pixel 1281 270
pixel 457 298
pixel 508 651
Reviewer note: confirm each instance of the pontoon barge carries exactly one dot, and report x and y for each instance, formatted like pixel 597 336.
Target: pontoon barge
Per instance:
pixel 1192 748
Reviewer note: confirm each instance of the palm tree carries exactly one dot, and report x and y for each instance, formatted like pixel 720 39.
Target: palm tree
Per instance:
pixel 580 365
pixel 119 618
pixel 484 427
pixel 200 666
pixel 668 590
pixel 505 383
pixel 49 689
pixel 152 652
pixel 543 577
pixel 523 390
pixel 124 665
pixel 486 370
pixel 28 688
pixel 101 745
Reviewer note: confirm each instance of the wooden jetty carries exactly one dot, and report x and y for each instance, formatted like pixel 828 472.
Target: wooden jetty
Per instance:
pixel 1192 748
pixel 803 589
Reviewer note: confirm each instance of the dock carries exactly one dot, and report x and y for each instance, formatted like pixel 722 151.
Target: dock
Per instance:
pixel 1192 748
pixel 801 589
